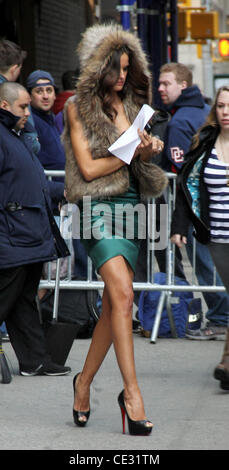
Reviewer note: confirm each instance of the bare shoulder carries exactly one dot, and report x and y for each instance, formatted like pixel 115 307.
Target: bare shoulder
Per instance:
pixel 72 115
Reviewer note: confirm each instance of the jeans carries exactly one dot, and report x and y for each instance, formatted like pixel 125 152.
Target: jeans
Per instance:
pixel 217 302
pixel 18 309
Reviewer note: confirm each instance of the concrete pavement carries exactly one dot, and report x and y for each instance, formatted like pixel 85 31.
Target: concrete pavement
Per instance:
pixel 184 401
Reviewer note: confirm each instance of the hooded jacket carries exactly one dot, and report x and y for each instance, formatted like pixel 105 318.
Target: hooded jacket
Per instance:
pixel 95 50
pixel 28 232
pixel 188 112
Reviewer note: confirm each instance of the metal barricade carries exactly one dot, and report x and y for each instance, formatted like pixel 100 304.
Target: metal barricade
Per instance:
pixel 166 291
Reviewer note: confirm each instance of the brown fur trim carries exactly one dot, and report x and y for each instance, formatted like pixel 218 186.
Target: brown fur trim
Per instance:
pixel 97 44
pixel 76 187
pixel 152 179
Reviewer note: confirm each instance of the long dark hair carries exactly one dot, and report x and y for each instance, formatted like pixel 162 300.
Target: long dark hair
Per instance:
pixel 137 83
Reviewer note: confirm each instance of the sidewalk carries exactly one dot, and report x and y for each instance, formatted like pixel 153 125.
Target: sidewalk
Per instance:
pixel 185 403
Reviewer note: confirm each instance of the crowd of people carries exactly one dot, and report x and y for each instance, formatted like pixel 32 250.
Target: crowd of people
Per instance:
pixel 72 131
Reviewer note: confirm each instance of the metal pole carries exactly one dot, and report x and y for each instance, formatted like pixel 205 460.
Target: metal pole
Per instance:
pixel 125 13
pixel 142 23
pixel 174 31
pixel 207 62
pixel 157 320
pixel 157 37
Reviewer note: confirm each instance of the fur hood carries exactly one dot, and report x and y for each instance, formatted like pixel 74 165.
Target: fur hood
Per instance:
pixel 95 50
pixel 96 47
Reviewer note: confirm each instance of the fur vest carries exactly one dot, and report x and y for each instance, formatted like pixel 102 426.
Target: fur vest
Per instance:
pixel 95 49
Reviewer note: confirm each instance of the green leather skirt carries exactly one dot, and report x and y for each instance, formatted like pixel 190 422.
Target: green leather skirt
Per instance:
pixel 109 227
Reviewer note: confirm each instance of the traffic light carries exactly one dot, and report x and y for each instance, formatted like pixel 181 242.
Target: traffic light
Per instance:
pixel 224 47
pixel 204 25
pixel 182 25
pixel 184 3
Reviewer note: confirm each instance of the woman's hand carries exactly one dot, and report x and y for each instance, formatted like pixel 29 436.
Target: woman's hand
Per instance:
pixel 149 146
pixel 178 239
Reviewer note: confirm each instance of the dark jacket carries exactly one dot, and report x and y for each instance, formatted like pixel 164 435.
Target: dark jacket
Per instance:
pixel 51 155
pixel 28 232
pixel 188 112
pixel 184 212
pixel 157 127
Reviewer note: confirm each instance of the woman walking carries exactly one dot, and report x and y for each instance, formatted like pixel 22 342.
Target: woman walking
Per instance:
pixel 113 85
pixel 203 198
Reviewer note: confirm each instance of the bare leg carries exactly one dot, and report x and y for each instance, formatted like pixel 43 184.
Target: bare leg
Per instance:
pixel 115 325
pixel 121 297
pixel 100 344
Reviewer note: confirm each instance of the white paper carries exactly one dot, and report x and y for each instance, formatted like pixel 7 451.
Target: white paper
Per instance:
pixel 124 147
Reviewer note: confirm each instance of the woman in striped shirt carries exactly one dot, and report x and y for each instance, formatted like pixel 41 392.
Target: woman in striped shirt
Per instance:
pixel 203 199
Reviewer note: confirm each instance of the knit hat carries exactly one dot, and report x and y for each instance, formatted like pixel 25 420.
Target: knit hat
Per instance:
pixel 33 78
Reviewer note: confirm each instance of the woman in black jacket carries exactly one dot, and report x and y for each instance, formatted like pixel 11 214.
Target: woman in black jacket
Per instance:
pixel 203 198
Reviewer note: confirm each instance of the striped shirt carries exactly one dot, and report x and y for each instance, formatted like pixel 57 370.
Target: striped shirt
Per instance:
pixel 216 177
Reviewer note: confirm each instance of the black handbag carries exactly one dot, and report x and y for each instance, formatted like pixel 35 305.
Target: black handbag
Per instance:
pixel 76 306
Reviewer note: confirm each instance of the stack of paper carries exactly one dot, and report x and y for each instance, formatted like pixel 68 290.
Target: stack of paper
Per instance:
pixel 125 146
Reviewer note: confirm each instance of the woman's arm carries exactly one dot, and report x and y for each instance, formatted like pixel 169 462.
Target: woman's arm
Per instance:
pixel 89 168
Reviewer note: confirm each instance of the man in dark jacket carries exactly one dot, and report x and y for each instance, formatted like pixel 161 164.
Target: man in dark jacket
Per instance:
pixel 11 63
pixel 188 112
pixel 41 86
pixel 28 235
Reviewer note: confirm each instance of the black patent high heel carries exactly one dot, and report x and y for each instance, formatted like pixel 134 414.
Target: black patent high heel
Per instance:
pixel 136 428
pixel 79 414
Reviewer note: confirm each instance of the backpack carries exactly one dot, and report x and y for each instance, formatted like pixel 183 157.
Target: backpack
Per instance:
pixel 77 306
pixel 187 312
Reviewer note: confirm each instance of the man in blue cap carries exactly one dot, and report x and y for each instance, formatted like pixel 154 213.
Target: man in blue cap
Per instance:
pixel 41 86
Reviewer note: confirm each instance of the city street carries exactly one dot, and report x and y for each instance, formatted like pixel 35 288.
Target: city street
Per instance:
pixel 112 57
pixel 184 401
